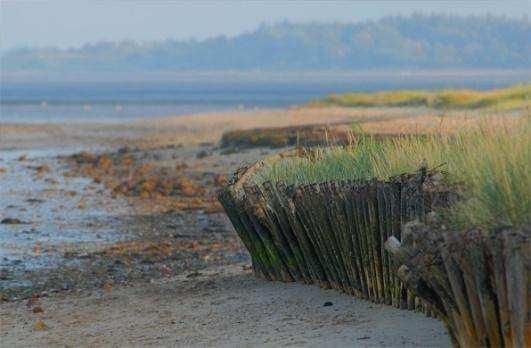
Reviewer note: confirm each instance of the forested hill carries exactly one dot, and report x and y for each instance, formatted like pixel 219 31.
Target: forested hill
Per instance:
pixel 414 42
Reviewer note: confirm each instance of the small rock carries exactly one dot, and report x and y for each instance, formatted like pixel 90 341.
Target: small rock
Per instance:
pixel 70 254
pixel 194 274
pixel 32 301
pixel 107 287
pixel 4 275
pixel 12 221
pixel 40 326
pixel 327 304
pixel 37 310
pixel 34 200
pixel 202 154
pixel 180 235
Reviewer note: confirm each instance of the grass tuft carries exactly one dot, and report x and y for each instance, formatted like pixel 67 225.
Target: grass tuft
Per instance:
pixel 514 97
pixel 492 164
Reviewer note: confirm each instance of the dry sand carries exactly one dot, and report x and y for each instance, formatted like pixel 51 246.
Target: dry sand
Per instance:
pixel 219 307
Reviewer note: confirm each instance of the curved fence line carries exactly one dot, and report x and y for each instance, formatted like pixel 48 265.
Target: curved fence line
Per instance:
pixel 333 233
pixel 377 240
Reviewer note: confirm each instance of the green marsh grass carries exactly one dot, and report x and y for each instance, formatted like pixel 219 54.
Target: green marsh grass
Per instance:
pixel 514 97
pixel 492 165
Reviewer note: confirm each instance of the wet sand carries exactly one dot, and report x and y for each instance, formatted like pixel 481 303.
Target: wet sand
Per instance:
pixel 65 227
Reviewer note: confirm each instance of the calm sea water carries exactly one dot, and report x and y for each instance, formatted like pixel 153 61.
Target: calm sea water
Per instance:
pixel 121 102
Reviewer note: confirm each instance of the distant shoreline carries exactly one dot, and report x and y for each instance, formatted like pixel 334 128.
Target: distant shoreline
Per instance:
pixel 246 76
pixel 118 102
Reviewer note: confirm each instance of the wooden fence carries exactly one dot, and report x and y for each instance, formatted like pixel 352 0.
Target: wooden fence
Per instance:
pixel 333 233
pixel 378 240
pixel 478 282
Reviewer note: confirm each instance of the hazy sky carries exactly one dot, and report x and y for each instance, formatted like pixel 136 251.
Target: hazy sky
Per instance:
pixel 72 23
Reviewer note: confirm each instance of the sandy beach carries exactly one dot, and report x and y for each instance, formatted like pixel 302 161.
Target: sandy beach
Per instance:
pixel 265 173
pixel 102 222
pixel 215 307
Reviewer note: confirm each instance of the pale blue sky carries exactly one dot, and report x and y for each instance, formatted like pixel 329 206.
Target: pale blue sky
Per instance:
pixel 73 22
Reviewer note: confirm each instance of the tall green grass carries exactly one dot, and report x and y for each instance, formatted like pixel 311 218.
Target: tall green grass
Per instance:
pixel 493 166
pixel 514 97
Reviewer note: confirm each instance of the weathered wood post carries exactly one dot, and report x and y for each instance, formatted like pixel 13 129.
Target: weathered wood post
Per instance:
pixel 477 281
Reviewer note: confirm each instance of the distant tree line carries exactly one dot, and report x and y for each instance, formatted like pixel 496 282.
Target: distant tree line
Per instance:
pixel 412 42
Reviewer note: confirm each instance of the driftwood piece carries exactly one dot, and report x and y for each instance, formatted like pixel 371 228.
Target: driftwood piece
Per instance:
pixel 476 280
